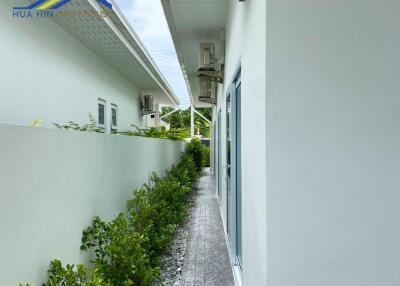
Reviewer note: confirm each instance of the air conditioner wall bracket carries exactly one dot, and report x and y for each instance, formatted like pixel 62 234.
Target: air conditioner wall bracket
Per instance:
pixel 211 75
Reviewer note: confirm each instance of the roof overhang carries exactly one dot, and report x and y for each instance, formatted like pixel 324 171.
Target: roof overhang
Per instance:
pixel 192 22
pixel 112 38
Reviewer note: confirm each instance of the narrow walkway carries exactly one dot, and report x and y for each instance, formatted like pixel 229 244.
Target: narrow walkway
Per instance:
pixel 207 262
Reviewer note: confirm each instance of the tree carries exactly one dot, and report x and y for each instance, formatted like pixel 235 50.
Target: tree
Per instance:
pixel 181 119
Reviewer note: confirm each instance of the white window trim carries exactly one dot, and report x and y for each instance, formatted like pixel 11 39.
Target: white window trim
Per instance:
pixel 104 103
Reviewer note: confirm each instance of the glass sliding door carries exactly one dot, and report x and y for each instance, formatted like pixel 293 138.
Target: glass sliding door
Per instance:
pixel 238 172
pixel 219 157
pixel 228 166
pixel 234 170
pixel 214 152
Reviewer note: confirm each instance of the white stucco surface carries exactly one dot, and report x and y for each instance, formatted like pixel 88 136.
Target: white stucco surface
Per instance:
pixel 48 74
pixel 52 184
pixel 333 156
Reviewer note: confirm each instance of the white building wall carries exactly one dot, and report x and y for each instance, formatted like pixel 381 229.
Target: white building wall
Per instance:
pixel 53 183
pixel 47 74
pixel 333 155
pixel 245 47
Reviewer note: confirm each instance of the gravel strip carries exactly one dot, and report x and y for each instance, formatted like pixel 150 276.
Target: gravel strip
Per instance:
pixel 173 259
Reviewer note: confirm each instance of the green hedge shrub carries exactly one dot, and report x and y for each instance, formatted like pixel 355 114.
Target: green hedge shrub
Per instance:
pixel 200 154
pixel 72 275
pixel 121 258
pixel 127 249
pixel 177 134
pixel 155 212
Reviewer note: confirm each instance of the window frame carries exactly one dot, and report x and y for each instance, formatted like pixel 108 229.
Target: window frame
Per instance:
pixel 113 106
pixel 104 103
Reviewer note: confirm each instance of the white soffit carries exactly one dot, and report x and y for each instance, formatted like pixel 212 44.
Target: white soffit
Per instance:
pixel 114 41
pixel 192 22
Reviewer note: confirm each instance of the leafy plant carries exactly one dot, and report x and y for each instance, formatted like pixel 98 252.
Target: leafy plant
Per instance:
pixel 120 256
pixel 127 249
pixel 176 134
pixel 186 172
pixel 90 127
pixel 72 275
pixel 156 211
pixel 200 154
pixel 173 134
pixel 36 123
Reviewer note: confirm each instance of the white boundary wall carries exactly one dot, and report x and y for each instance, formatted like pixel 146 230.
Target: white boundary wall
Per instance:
pixel 53 182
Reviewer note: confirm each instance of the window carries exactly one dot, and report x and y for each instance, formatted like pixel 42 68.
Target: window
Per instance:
pixel 114 116
pixel 101 119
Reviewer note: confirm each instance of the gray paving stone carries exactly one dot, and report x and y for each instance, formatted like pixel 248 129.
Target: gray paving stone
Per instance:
pixel 207 261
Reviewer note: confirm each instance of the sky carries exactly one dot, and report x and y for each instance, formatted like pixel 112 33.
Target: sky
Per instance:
pixel 148 20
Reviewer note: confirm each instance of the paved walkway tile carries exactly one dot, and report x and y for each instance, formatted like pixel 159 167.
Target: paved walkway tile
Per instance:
pixel 207 262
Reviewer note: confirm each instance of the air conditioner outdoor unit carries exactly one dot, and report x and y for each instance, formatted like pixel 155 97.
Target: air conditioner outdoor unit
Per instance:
pixel 208 91
pixel 207 57
pixel 148 104
pixel 209 66
pixel 207 99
